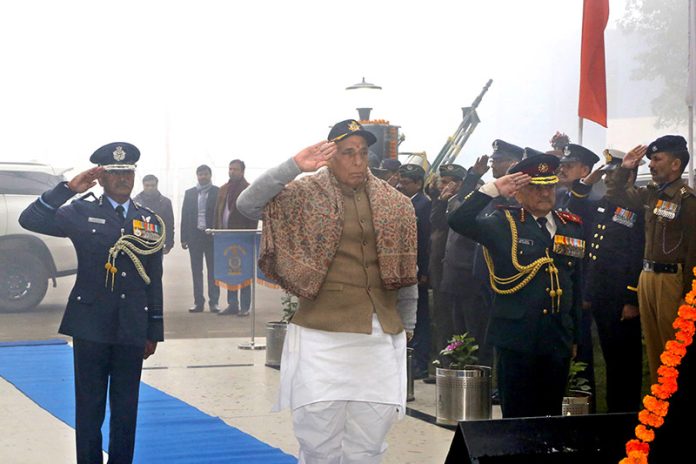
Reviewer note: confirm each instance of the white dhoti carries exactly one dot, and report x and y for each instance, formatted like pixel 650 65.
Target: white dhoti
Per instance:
pixel 344 368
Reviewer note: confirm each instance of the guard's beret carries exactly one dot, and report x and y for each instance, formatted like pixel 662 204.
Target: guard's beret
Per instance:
pixel 412 171
pixel 349 127
pixel 541 167
pixel 116 156
pixel 502 149
pixel 390 164
pixel 674 144
pixel 574 152
pixel 452 170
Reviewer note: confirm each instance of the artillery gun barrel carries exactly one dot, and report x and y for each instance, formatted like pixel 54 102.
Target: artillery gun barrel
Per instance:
pixel 455 143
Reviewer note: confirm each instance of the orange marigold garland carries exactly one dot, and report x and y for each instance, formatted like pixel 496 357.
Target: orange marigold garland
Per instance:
pixel 656 405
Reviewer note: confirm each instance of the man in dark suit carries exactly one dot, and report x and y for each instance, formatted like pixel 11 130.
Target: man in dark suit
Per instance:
pixel 533 254
pixel 227 216
pixel 116 323
pixel 197 215
pixel 411 183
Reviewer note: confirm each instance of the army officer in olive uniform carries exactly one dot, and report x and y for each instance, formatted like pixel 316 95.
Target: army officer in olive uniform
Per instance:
pixel 668 262
pixel 533 256
pixel 114 312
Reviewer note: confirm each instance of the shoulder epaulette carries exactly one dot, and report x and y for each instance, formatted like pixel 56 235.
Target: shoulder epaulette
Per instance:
pixel 87 195
pixel 513 208
pixel 686 191
pixel 565 216
pixel 140 205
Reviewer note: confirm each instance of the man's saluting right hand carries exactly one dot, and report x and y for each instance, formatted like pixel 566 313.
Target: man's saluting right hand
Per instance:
pixel 85 180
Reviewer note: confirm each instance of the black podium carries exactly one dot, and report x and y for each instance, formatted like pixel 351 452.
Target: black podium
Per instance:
pixel 591 438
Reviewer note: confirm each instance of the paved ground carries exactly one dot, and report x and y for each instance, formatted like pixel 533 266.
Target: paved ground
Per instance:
pixel 42 322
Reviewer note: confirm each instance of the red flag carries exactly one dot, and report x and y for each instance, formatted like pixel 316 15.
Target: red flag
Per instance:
pixel 593 82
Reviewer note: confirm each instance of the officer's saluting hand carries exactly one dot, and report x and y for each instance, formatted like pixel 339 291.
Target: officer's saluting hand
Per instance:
pixel 85 180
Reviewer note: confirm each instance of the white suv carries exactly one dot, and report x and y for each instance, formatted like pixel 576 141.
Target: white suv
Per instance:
pixel 28 260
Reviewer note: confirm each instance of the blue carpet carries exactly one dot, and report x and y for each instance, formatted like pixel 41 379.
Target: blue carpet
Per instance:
pixel 169 430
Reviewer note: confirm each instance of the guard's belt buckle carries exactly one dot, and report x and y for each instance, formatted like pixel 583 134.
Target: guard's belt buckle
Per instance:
pixel 660 268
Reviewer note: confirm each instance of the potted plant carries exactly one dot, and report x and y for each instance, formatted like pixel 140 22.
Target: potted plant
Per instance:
pixel 276 330
pixel 578 395
pixel 463 387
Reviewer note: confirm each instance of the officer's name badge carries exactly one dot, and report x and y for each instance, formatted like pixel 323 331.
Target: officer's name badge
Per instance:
pixel 146 230
pixel 96 220
pixel 568 246
pixel 624 217
pixel 666 209
pixel 525 241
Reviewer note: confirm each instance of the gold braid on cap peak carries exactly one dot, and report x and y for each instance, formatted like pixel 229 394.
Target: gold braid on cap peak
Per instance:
pixel 132 246
pixel 548 180
pixel 526 273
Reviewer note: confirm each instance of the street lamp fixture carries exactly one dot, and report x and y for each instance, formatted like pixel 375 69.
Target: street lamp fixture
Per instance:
pixel 366 92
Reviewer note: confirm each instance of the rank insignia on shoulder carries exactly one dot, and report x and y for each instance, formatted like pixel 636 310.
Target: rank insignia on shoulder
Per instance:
pixel 565 216
pixel 141 206
pixel 87 196
pixel 568 246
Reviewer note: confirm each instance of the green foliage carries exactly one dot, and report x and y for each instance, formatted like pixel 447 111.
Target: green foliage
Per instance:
pixel 459 352
pixel 289 303
pixel 664 27
pixel 575 382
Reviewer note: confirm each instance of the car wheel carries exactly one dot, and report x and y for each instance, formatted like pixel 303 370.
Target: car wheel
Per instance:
pixel 23 281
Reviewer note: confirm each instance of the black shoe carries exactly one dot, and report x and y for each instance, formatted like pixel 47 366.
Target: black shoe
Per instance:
pixel 418 375
pixel 430 379
pixel 495 397
pixel 243 313
pixel 196 309
pixel 214 308
pixel 230 310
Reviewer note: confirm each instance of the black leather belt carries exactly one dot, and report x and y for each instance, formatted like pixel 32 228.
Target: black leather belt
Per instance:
pixel 664 268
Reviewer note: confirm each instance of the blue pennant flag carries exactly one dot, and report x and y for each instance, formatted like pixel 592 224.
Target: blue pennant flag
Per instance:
pixel 234 259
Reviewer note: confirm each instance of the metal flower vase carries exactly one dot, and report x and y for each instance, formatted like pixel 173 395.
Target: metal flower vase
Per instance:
pixel 577 403
pixel 275 338
pixel 463 394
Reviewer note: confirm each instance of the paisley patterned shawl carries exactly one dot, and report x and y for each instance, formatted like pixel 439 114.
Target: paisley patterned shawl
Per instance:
pixel 302 228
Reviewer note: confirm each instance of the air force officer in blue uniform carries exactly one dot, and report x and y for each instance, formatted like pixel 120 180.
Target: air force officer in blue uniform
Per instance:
pixel 114 312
